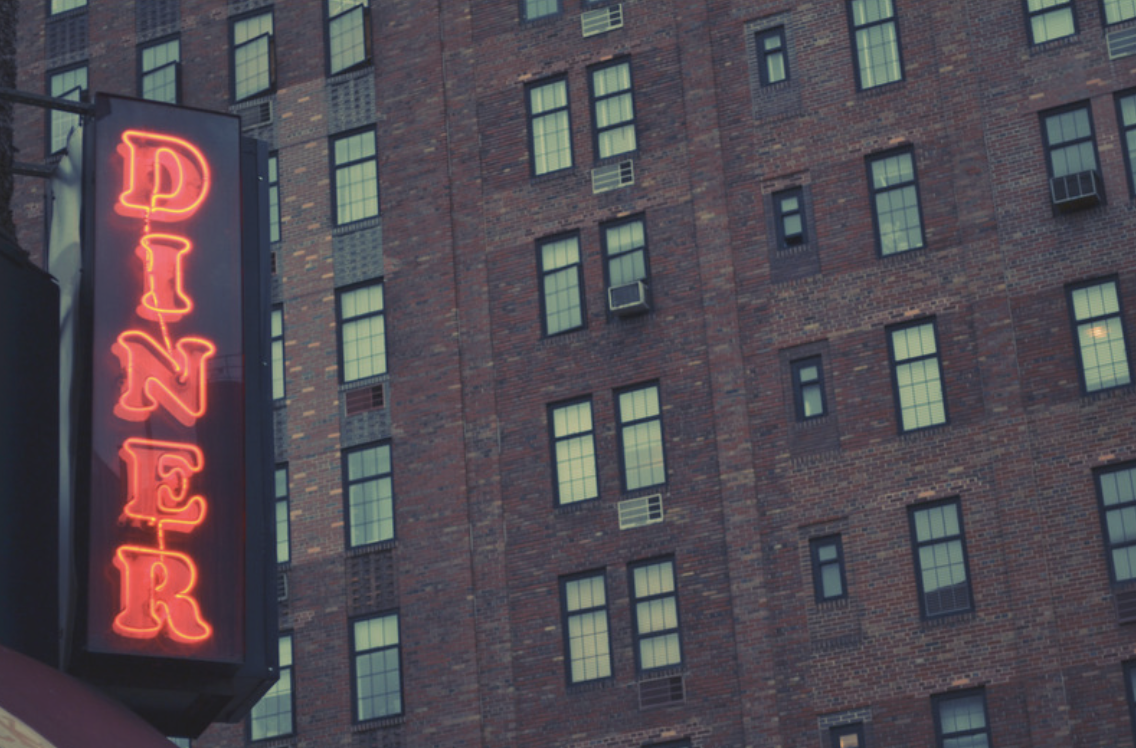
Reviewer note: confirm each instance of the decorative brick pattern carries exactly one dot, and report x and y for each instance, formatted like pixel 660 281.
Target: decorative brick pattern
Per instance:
pixel 372 582
pixel 351 100
pixel 358 255
pixel 65 39
pixel 156 18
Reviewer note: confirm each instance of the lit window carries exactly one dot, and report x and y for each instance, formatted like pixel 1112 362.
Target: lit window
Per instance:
pixel 1050 19
pixel 62 6
pixel 916 376
pixel 772 60
pixel 808 388
pixel 613 109
pixel 550 126
pixel 273 198
pixel 1099 328
pixel 370 494
pixel 574 452
pixel 1117 491
pixel 562 284
pixel 586 628
pixel 277 341
pixel 641 437
pixel 362 331
pixel 1116 11
pixel 895 202
pixel 356 165
pixel 540 8
pixel 283 523
pixel 625 244
pixel 877 42
pixel 960 720
pixel 655 601
pixel 1069 141
pixel 940 559
pixel 789 213
pixel 848 736
pixel 160 66
pixel 828 568
pixel 71 85
pixel 254 60
pixel 377 670
pixel 348 33
pixel 272 715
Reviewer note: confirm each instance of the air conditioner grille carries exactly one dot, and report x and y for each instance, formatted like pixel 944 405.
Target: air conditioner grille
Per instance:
pixel 1126 606
pixel 1075 191
pixel 640 511
pixel 613 176
pixel 364 399
pixel 661 691
pixel 281 586
pixel 1122 42
pixel 601 20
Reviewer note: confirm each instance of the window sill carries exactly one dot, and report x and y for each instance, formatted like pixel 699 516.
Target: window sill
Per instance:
pixel 947 620
pixel 358 70
pixel 372 548
pixel 881 88
pixel 923 430
pixel 591 686
pixel 277 741
pixel 1091 398
pixel 577 507
pixel 839 603
pixel 378 724
pixel 351 228
pixel 371 381
pixel 1047 46
pixel 669 671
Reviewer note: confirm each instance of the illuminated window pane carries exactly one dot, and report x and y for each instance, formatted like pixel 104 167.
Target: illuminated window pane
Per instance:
pixel 67 84
pixel 877 42
pixel 586 624
pixel 613 109
pixel 944 585
pixel 641 438
pixel 549 127
pixel 574 452
pixel 347 33
pixel 160 71
pixel 272 715
pixel 252 56
pixel 655 615
pixel 370 494
pixel 1101 346
pixel 1050 19
pixel 562 285
pixel 895 200
pixel 356 177
pixel 377 667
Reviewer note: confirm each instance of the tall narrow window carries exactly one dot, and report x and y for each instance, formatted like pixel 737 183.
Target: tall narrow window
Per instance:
pixel 277 341
pixel 916 376
pixel 789 212
pixel 562 284
pixel 876 41
pixel 808 388
pixel 1117 491
pixel 828 568
pixel 356 165
pixel 574 452
pixel 62 6
pixel 375 650
pixel 534 9
pixel 940 559
pixel 273 198
pixel 848 736
pixel 66 84
pixel 1069 141
pixel 254 62
pixel 550 126
pixel 272 715
pixel 960 720
pixel 895 202
pixel 773 62
pixel 641 437
pixel 657 642
pixel 370 494
pixel 348 34
pixel 362 332
pixel 1099 328
pixel 1116 11
pixel 586 636
pixel 160 63
pixel 283 519
pixel 1126 115
pixel 625 244
pixel 613 109
pixel 1050 19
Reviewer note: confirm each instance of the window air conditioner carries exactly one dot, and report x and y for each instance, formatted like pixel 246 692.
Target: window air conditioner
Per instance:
pixel 613 176
pixel 602 20
pixel 628 299
pixel 1075 191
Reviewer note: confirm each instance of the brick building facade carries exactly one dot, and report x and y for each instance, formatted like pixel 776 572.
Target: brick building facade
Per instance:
pixel 847 459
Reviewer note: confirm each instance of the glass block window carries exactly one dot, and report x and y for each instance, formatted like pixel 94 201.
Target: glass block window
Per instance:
pixel 1099 329
pixel 160 66
pixel 272 715
pixel 876 42
pixel 562 284
pixel 362 330
pixel 574 452
pixel 283 518
pixel 641 437
pixel 348 33
pixel 550 126
pixel 356 166
pixel 1050 19
pixel 1117 491
pixel 370 494
pixel 940 559
pixel 917 377
pixel 895 200
pixel 377 669
pixel 613 108
pixel 655 601
pixel 253 56
pixel 66 84
pixel 586 628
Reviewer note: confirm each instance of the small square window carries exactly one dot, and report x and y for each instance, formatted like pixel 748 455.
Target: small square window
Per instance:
pixel 1050 19
pixel 940 559
pixel 772 56
pixel 808 388
pixel 377 667
pixel 960 720
pixel 848 736
pixel 789 212
pixel 828 568
pixel 917 376
pixel 1098 324
pixel 876 37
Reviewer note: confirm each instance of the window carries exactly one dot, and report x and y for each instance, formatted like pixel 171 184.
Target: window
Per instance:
pixel 348 34
pixel 772 61
pixel 828 568
pixel 550 127
pixel 1100 336
pixel 848 736
pixel 1069 141
pixel 808 388
pixel 789 212
pixel 916 376
pixel 940 559
pixel 378 673
pixel 960 720
pixel 362 332
pixel 370 495
pixel 895 202
pixel 655 615
pixel 273 198
pixel 272 715
pixel 283 523
pixel 574 452
pixel 1130 690
pixel 160 64
pixel 534 9
pixel 1050 19
pixel 1117 491
pixel 180 742
pixel 71 85
pixel 356 166
pixel 62 6
pixel 1126 114
pixel 277 341
pixel 613 109
pixel 1116 11
pixel 877 42
pixel 585 628
pixel 641 437
pixel 625 245
pixel 254 60
pixel 562 284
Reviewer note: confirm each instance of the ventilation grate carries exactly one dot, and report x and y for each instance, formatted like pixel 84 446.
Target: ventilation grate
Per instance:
pixel 364 399
pixel 1075 191
pixel 1122 43
pixel 1126 606
pixel 257 115
pixel 602 20
pixel 281 586
pixel 661 691
pixel 640 511
pixel 613 176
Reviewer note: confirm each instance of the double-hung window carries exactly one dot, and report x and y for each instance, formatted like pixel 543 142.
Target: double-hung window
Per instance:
pixel 68 84
pixel 375 650
pixel 574 452
pixel 876 41
pixel 348 34
pixel 772 57
pixel 960 720
pixel 1116 11
pixel 562 284
pixel 362 332
pixel 533 9
pixel 272 715
pixel 277 341
pixel 1116 488
pixel 613 109
pixel 655 604
pixel 1069 141
pixel 917 376
pixel 550 127
pixel 895 202
pixel 940 559
pixel 370 494
pixel 625 246
pixel 789 213
pixel 356 166
pixel 1050 19
pixel 273 198
pixel 641 437
pixel 1099 329
pixel 586 638
pixel 283 520
pixel 160 66
pixel 828 568
pixel 808 388
pixel 254 56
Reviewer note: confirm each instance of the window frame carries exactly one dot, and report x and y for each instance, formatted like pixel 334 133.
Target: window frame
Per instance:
pixel 143 72
pixel 1030 14
pixel 1076 324
pixel 917 545
pixel 53 116
pixel 639 637
pixel 622 426
pixel 524 11
pixel 609 258
pixel 285 500
pixel 349 525
pixel 937 701
pixel 251 733
pixel 875 192
pixel 533 117
pixel 554 440
pixel 365 29
pixel 52 12
pixel 271 53
pixel 841 731
pixel 595 101
pixel 764 55
pixel 1051 148
pixel 566 616
pixel 1104 12
pixel 274 225
pixel 335 168
pixel 277 362
pixel 780 215
pixel 895 365
pixel 795 368
pixel 819 565
pixel 1109 547
pixel 543 275
pixel 854 30
pixel 341 326
pixel 1127 134
pixel 356 653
